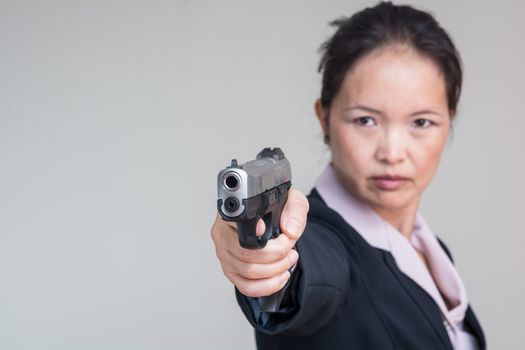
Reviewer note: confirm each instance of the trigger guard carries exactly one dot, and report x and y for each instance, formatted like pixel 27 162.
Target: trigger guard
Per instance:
pixel 268 231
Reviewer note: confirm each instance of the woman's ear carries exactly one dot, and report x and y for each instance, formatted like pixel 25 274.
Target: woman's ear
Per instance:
pixel 322 117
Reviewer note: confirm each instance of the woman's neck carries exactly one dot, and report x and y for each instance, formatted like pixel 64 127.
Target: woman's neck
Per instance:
pixel 401 218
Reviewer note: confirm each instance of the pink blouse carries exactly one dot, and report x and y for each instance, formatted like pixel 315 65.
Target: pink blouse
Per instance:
pixel 441 281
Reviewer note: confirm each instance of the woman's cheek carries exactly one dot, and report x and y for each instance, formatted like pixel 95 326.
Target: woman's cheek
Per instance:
pixel 353 156
pixel 428 159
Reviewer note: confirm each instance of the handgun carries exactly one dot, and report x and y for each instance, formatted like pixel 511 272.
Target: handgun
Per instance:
pixel 251 191
pixel 254 190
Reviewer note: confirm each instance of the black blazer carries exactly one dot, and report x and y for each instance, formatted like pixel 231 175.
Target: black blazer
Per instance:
pixel 346 294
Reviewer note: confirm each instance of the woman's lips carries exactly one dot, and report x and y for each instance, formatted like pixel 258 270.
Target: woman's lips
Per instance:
pixel 389 182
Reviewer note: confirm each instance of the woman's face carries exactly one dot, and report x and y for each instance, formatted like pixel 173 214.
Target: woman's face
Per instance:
pixel 388 126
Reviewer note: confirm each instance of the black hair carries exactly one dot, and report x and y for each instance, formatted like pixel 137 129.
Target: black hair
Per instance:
pixel 382 25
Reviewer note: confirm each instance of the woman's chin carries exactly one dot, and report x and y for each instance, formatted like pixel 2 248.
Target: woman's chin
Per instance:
pixel 391 200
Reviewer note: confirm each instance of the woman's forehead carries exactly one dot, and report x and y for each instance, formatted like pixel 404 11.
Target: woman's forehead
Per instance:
pixel 394 76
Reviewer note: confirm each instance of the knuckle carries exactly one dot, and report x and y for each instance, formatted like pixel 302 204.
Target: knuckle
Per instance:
pixel 230 275
pixel 213 232
pixel 278 269
pixel 217 233
pixel 246 254
pixel 286 264
pixel 247 289
pixel 274 285
pixel 249 271
pixel 215 225
pixel 282 251
pixel 220 253
pixel 237 281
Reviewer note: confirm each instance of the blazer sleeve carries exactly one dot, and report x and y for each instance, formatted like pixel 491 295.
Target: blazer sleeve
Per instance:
pixel 318 286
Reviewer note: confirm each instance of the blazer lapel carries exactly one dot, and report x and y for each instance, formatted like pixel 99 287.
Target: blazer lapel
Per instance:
pixel 424 301
pixel 472 324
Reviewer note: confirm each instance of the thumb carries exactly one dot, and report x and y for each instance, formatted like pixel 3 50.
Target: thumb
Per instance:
pixel 293 217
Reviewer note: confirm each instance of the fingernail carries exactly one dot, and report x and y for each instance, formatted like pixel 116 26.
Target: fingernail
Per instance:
pixel 294 256
pixel 286 276
pixel 293 227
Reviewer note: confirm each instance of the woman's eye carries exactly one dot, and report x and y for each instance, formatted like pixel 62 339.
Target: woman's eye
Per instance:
pixel 422 123
pixel 365 121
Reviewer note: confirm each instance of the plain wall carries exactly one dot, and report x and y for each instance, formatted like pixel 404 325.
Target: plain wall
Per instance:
pixel 116 116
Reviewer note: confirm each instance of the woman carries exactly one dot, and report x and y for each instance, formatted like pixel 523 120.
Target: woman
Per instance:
pixel 367 272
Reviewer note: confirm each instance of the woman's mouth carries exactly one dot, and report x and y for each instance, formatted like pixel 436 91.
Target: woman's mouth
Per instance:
pixel 389 182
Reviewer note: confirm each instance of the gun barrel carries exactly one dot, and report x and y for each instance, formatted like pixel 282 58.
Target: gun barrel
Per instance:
pixel 231 180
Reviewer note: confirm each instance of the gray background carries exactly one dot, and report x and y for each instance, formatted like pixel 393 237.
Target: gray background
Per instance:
pixel 115 117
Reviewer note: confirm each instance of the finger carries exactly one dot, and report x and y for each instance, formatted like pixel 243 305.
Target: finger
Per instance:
pixel 261 287
pixel 259 271
pixel 293 217
pixel 261 227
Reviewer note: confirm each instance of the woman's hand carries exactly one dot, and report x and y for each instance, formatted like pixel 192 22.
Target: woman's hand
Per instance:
pixel 261 272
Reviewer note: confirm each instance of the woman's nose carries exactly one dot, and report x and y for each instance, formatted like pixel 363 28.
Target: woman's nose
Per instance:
pixel 391 147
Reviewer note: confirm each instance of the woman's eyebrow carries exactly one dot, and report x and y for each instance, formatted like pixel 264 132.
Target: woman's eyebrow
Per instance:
pixel 372 110
pixel 362 107
pixel 427 111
